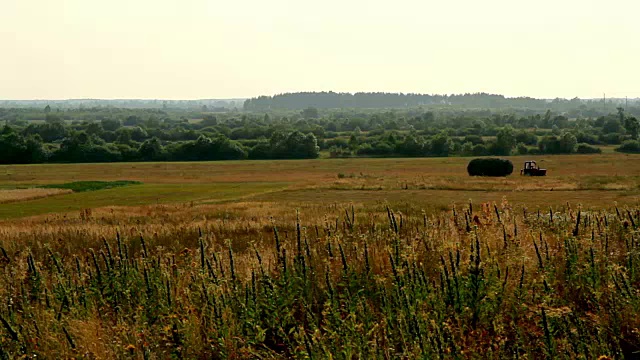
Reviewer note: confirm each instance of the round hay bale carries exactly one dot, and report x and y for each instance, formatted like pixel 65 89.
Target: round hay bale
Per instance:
pixel 490 167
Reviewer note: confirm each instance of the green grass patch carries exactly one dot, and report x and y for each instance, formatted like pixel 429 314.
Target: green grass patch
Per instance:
pixel 82 186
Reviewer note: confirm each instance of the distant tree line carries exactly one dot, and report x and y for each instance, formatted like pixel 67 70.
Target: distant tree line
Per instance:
pixel 152 135
pixel 199 105
pixel 377 100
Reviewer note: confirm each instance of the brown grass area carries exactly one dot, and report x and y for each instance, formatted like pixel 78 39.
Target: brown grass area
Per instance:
pixel 422 193
pixel 427 183
pixel 307 171
pixel 469 262
pixel 14 195
pixel 172 234
pixel 441 199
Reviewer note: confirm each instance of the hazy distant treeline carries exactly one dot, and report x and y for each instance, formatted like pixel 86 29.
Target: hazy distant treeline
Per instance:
pixel 200 105
pixel 333 100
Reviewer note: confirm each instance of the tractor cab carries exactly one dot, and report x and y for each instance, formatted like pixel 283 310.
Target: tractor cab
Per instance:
pixel 531 168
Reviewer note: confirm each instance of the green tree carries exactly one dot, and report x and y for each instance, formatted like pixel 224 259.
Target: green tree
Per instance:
pixel 310 146
pixel 413 145
pixel 440 145
pixel 620 114
pixel 53 119
pixel 6 130
pixel 12 148
pixel 209 120
pixel 294 145
pixel 632 126
pixel 310 113
pixel 474 139
pixel 612 125
pixel 111 124
pixel 94 128
pixel 353 142
pixel 526 137
pixel 563 144
pixel 50 131
pixel 133 120
pixel 505 141
pixel 568 143
pixel 629 146
pixel 522 149
pixel 123 136
pixel 151 150
pixel 139 134
pixel 260 151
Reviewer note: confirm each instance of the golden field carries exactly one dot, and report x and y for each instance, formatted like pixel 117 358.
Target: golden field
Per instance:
pixel 429 183
pixel 314 259
pixel 15 195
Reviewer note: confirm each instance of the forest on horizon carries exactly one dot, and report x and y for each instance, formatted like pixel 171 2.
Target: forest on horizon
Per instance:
pixel 336 100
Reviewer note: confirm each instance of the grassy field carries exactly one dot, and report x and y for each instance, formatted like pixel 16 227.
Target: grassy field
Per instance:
pixel 136 195
pixel 343 259
pixel 429 183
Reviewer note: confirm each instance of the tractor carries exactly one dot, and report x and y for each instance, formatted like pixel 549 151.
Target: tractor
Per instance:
pixel 531 168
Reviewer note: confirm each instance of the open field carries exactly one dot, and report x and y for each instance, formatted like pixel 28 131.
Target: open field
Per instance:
pixel 428 183
pixel 181 281
pixel 136 195
pixel 370 258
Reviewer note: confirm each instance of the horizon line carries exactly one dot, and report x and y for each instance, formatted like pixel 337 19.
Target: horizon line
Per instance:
pixel 305 92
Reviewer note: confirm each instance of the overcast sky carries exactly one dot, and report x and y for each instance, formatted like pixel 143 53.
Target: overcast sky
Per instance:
pixel 190 49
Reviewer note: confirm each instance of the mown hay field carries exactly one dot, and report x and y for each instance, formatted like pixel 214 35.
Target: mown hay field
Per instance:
pixel 428 183
pixel 362 258
pixel 17 195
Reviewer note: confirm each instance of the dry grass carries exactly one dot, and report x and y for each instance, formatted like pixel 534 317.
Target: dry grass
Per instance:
pixel 15 195
pixel 102 324
pixel 508 276
pixel 429 183
pixel 306 171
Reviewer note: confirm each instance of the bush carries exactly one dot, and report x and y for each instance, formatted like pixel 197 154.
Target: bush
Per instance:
pixel 336 152
pixel 480 150
pixel 218 148
pixel 611 139
pixel 376 149
pixel 590 139
pixel 527 138
pixel 562 144
pixel 474 139
pixel 338 142
pixel 522 149
pixel 629 146
pixel 261 151
pixel 490 167
pixel 587 149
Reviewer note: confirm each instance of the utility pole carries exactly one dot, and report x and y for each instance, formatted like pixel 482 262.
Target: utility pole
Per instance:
pixel 604 103
pixel 626 102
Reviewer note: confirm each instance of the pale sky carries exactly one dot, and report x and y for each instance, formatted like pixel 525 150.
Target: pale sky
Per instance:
pixel 194 49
